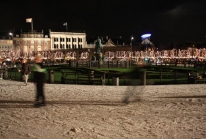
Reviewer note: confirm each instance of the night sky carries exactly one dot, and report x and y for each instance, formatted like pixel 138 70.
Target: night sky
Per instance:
pixel 168 21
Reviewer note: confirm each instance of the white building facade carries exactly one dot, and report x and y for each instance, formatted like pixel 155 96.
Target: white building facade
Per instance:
pixel 67 40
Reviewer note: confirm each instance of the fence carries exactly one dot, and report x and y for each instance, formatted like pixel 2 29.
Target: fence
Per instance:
pixel 96 63
pixel 111 63
pixel 135 78
pixel 121 63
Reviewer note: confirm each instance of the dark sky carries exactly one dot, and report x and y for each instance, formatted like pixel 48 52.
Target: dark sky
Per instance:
pixel 167 20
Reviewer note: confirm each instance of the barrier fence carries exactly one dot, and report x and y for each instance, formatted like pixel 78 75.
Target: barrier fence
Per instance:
pixel 106 78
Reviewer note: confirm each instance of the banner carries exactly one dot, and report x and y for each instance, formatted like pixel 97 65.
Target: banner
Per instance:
pixel 29 20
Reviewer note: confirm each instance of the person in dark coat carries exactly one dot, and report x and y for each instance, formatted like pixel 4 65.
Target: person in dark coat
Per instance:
pixel 39 80
pixel 25 70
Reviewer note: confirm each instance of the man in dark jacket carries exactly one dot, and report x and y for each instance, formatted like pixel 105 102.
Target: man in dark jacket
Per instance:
pixel 25 70
pixel 39 79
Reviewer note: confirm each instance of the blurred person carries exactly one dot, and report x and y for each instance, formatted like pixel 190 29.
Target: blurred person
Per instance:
pixel 136 84
pixel 39 80
pixel 25 70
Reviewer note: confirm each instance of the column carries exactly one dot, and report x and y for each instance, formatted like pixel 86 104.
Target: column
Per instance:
pixel 65 42
pixel 59 42
pixel 77 41
pixel 52 44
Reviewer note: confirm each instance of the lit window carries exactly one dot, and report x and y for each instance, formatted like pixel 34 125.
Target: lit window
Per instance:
pixel 68 40
pixel 62 39
pixel 61 46
pixel 55 45
pixel 56 39
pixel 68 46
pixel 80 39
pixel 74 39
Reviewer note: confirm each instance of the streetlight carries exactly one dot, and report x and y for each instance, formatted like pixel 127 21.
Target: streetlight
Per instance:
pixel 131 41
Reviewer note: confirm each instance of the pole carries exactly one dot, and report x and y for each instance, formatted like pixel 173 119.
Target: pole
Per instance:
pixel 117 41
pixel 65 24
pixel 131 44
pixel 32 25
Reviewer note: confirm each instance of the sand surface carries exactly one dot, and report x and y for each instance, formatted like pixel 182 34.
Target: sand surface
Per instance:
pixel 103 112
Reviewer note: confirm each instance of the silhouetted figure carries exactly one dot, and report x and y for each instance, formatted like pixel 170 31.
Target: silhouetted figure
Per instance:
pixel 134 91
pixel 39 79
pixel 25 70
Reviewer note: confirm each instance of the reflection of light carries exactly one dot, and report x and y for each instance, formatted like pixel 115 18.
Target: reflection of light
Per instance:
pixel 145 36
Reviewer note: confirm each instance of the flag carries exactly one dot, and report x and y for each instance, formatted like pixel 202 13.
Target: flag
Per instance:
pixel 65 24
pixel 29 20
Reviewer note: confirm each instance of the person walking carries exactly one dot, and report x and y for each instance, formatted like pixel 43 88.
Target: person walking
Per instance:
pixel 39 80
pixel 25 70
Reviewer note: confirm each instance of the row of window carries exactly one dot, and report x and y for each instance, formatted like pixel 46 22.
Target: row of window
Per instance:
pixel 68 46
pixel 6 41
pixel 31 48
pixel 55 40
pixel 6 46
pixel 68 39
pixel 32 42
pixel 32 36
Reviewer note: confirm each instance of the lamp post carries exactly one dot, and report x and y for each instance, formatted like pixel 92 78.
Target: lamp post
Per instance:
pixel 131 42
pixel 11 38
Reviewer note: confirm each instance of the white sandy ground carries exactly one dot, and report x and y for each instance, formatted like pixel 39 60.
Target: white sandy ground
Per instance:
pixel 98 112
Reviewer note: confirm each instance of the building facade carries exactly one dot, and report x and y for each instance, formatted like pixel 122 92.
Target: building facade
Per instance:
pixel 31 41
pixel 67 40
pixel 6 44
pixel 35 41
